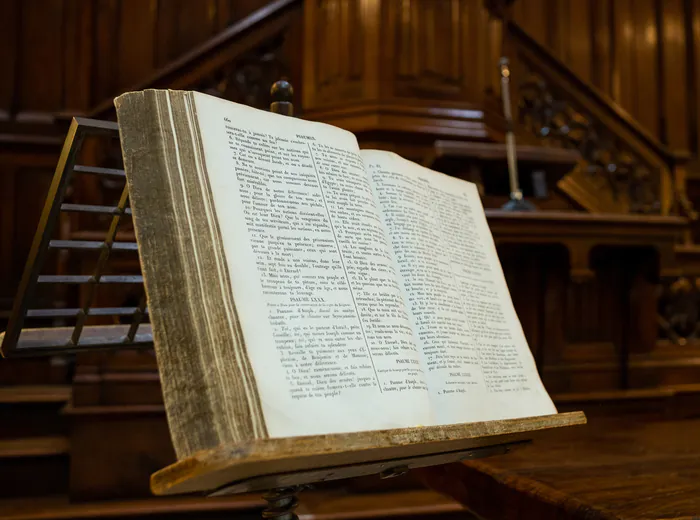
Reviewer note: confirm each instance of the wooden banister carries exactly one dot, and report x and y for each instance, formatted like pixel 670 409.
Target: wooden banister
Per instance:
pixel 534 49
pixel 257 29
pixel 625 168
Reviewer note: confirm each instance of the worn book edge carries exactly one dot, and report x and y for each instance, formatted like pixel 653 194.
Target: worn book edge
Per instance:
pixel 210 393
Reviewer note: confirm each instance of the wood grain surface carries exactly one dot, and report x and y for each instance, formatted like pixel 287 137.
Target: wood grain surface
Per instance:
pixel 613 469
pixel 212 469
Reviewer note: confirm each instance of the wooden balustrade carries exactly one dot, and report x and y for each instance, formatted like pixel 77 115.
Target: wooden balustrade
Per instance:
pixel 624 168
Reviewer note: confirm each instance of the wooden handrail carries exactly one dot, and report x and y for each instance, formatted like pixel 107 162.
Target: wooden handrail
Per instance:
pixel 642 174
pixel 538 52
pixel 213 53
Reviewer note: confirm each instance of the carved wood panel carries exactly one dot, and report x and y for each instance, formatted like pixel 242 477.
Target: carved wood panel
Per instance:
pixel 439 50
pixel 421 49
pixel 338 49
pixel 428 46
pixel 641 53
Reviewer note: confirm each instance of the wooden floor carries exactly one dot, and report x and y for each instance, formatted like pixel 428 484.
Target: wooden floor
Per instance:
pixel 610 469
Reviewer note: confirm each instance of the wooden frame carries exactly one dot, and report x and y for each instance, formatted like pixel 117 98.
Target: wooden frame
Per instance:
pixel 293 461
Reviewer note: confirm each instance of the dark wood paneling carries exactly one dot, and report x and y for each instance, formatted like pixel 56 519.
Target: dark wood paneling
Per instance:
pixel 68 55
pixel 635 51
pixel 136 46
pixel 9 55
pixel 579 35
pixel 675 96
pixel 601 73
pixel 646 110
pixel 473 38
pixel 623 83
pixel 78 37
pixel 123 446
pixel 22 192
pixel 40 70
pixel 644 54
pixel 31 186
pixel 106 45
pixel 339 52
pixel 242 8
pixel 196 23
pixel 695 92
pixel 560 28
pixel 532 16
pixel 182 24
pixel 494 35
pixel 167 48
pixel 7 232
pixel 427 46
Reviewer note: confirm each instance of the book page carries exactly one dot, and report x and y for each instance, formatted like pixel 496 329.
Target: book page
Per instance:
pixel 477 361
pixel 315 286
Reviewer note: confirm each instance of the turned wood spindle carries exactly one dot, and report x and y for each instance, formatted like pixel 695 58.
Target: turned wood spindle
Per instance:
pixel 282 93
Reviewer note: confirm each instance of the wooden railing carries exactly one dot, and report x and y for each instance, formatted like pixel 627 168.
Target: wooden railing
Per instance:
pixel 239 64
pixel 624 168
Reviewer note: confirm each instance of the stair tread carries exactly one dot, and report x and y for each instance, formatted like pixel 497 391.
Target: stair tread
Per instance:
pixel 33 447
pixel 316 505
pixel 35 394
pixel 689 249
pixel 333 505
pixel 59 507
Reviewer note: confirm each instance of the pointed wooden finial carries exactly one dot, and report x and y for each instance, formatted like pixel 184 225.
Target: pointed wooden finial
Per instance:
pixel 282 94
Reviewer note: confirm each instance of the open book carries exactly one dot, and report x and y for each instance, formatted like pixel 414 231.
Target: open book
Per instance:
pixel 298 285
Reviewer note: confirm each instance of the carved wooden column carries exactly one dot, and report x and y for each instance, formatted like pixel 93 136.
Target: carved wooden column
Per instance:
pixel 400 71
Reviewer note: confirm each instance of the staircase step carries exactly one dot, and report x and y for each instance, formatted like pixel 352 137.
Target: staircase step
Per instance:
pixel 33 466
pixel 33 447
pixel 35 394
pixel 31 420
pixel 32 410
pixel 60 508
pixel 34 371
pixel 416 504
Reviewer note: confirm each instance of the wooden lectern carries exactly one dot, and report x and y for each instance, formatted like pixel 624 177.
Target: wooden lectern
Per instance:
pixel 283 465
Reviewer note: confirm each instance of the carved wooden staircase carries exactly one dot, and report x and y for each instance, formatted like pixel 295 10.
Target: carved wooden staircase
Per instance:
pixel 240 63
pixel 624 169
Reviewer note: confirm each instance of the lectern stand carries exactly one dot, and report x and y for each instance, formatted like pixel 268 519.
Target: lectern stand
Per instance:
pixel 284 465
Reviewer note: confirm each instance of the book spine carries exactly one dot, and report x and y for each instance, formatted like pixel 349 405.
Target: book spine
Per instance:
pixel 208 388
